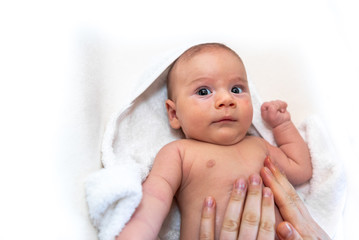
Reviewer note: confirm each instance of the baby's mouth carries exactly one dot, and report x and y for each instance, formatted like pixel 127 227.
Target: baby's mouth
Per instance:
pixel 225 119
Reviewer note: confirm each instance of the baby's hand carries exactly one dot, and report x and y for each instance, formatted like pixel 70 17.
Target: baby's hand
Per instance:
pixel 275 113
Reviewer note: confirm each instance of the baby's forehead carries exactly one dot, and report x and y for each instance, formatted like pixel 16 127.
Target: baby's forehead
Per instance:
pixel 202 49
pixel 190 54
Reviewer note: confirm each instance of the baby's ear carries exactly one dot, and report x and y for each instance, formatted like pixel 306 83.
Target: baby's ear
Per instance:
pixel 171 112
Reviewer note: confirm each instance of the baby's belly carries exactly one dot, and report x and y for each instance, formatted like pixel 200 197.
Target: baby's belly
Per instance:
pixel 191 216
pixel 216 184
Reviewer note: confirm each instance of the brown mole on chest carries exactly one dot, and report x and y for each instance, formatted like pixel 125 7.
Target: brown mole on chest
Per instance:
pixel 211 163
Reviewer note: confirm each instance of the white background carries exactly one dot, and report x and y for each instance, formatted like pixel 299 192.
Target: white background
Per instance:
pixel 59 61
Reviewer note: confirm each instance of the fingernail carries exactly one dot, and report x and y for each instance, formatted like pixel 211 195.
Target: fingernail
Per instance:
pixel 285 230
pixel 209 202
pixel 240 185
pixel 267 192
pixel 255 180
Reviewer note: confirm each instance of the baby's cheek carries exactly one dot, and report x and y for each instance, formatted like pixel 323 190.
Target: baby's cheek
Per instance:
pixel 247 103
pixel 248 100
pixel 248 108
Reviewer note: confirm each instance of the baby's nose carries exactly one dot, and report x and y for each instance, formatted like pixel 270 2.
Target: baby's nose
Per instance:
pixel 225 100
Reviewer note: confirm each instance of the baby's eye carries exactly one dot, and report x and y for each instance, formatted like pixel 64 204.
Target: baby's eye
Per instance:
pixel 203 91
pixel 236 90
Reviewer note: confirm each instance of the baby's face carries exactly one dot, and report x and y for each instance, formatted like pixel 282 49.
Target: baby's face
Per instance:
pixel 211 97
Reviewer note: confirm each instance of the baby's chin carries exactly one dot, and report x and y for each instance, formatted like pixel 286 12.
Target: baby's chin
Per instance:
pixel 224 140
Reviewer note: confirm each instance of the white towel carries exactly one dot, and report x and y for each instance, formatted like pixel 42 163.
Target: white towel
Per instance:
pixel 140 128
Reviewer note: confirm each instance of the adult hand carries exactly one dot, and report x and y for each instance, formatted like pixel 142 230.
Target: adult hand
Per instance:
pixel 249 214
pixel 291 207
pixel 255 218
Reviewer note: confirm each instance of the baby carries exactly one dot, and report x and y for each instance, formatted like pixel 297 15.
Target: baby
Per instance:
pixel 209 100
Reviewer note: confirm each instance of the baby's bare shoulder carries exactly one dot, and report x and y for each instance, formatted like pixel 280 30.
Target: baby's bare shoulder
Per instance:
pixel 184 144
pixel 171 146
pixel 178 146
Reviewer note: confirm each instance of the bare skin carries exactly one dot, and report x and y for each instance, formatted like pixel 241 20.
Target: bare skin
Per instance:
pixel 204 175
pixel 211 104
pixel 262 206
pixel 250 200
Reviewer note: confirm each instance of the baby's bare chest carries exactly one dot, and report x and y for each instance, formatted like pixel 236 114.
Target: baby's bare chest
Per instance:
pixel 212 170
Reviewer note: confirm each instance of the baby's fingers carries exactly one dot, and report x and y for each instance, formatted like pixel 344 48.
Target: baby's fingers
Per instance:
pixel 274 106
pixel 281 106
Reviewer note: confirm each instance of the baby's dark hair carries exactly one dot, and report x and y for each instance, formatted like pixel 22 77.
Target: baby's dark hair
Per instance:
pixel 190 53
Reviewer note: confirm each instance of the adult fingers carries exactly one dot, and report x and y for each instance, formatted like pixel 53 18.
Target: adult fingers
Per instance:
pixel 277 175
pixel 252 209
pixel 234 210
pixel 286 231
pixel 208 219
pixel 267 223
pixel 290 205
pixel 286 198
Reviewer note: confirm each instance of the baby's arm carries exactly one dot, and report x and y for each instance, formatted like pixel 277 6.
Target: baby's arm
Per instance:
pixel 293 153
pixel 158 191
